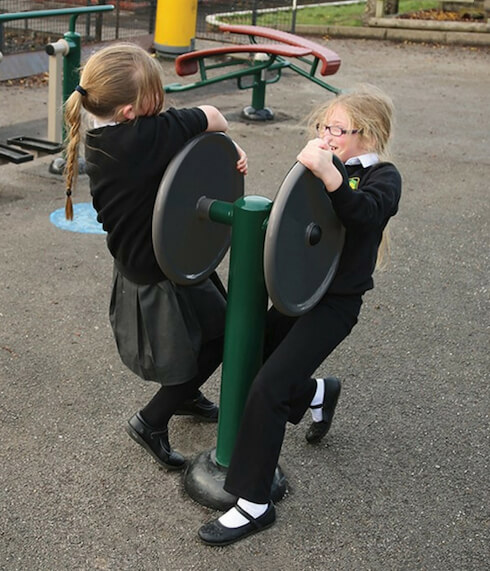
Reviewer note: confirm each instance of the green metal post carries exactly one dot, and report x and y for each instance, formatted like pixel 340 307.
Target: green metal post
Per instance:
pixel 245 317
pixel 71 64
pixel 258 92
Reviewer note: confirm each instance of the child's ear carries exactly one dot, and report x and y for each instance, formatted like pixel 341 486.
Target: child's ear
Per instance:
pixel 128 112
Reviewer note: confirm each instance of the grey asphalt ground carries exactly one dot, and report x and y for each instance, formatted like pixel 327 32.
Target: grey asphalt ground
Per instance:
pixel 400 483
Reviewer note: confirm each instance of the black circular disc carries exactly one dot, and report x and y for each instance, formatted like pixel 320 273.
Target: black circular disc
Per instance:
pixel 204 479
pixel 188 245
pixel 303 242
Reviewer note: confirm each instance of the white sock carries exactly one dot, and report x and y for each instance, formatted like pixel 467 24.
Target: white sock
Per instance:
pixel 317 413
pixel 233 518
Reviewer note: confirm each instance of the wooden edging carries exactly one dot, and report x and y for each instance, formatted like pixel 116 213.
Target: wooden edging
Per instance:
pixel 450 37
pixel 430 25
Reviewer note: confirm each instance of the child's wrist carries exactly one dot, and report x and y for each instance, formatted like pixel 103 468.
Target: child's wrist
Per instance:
pixel 334 182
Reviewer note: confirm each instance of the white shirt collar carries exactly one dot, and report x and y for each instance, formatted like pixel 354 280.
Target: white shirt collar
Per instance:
pixel 367 160
pixel 101 123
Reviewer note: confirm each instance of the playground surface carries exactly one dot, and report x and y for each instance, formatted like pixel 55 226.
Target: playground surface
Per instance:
pixel 400 482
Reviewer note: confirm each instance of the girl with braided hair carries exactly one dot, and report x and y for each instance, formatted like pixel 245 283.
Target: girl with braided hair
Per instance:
pixel 164 332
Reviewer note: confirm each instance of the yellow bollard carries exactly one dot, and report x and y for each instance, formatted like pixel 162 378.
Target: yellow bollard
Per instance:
pixel 175 26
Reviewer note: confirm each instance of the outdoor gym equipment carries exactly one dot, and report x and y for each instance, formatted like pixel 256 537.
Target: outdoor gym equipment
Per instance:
pixel 264 65
pixel 200 211
pixel 19 149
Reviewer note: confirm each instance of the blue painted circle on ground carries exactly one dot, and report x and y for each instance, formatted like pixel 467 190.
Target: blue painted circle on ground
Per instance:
pixel 84 219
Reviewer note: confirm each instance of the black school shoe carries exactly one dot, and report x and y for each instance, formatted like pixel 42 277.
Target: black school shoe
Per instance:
pixel 155 442
pixel 200 408
pixel 318 430
pixel 215 533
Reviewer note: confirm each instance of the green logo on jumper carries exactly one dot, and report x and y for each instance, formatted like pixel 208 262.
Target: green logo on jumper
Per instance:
pixel 354 182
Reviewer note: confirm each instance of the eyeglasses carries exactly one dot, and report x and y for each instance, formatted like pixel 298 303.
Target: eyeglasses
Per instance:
pixel 334 130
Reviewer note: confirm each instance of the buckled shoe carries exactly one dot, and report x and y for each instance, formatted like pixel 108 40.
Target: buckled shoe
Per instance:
pixel 215 533
pixel 317 430
pixel 155 442
pixel 200 408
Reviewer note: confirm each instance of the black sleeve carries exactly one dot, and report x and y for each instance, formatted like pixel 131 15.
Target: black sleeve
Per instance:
pixel 183 124
pixel 373 202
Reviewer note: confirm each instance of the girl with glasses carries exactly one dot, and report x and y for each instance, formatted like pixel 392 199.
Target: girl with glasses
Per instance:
pixel 356 127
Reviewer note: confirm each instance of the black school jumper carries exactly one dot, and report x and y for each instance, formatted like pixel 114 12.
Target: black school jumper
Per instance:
pixel 295 347
pixel 164 332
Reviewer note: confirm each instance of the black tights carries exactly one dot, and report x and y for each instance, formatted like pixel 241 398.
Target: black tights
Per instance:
pixel 168 399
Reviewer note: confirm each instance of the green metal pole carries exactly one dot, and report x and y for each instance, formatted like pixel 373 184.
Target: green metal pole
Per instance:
pixel 71 67
pixel 74 12
pixel 71 64
pixel 258 92
pixel 245 317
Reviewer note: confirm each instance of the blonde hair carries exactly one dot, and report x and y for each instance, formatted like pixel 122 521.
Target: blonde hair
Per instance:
pixel 371 111
pixel 115 76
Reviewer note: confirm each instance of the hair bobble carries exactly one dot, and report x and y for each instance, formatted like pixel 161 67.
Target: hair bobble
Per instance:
pixel 68 205
pixel 81 90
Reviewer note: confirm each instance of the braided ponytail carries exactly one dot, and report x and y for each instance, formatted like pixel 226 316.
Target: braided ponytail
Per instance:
pixel 73 120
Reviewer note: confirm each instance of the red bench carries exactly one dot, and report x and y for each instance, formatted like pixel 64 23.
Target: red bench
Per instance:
pixel 282 51
pixel 329 59
pixel 187 64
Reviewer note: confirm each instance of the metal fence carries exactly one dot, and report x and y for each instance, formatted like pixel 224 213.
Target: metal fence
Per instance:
pixel 282 13
pixel 130 19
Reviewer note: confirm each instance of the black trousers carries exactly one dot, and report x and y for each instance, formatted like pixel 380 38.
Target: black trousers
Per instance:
pixel 283 389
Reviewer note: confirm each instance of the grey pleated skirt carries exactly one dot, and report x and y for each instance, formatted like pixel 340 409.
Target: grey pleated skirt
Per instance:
pixel 159 328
